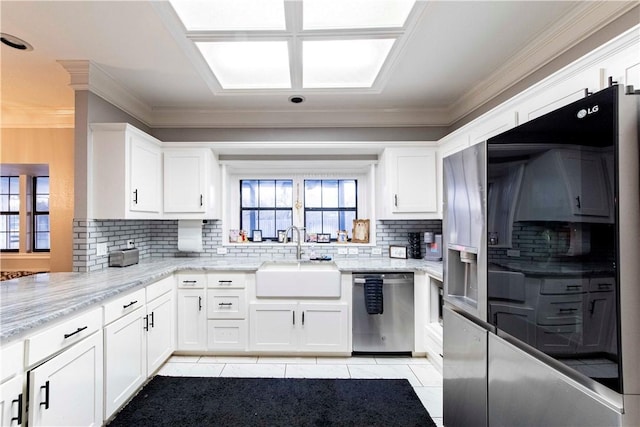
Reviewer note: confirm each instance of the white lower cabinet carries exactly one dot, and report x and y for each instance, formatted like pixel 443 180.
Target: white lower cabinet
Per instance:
pixel 192 320
pixel 124 359
pixel 298 327
pixel 67 389
pixel 160 335
pixel 226 335
pixel 11 402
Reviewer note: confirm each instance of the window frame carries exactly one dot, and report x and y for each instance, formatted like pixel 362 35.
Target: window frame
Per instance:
pixel 8 213
pixel 274 208
pixel 35 213
pixel 330 209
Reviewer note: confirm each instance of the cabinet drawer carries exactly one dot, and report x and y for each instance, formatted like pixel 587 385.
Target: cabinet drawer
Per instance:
pixel 564 286
pixel 192 280
pixel 560 310
pixel 123 305
pixel 230 280
pixel 227 335
pixel 12 357
pixel 56 338
pixel 226 304
pixel 558 339
pixel 159 288
pixel 602 284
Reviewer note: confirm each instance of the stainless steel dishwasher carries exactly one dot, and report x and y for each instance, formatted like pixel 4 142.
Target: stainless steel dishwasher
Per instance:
pixel 393 330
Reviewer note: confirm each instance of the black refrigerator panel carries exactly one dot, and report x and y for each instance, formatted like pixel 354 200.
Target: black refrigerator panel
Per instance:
pixel 553 278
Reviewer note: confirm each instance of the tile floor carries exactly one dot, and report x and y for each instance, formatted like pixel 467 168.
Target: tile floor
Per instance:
pixel 425 379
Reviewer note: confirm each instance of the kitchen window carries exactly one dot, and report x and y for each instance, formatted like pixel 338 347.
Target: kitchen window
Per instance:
pixel 330 205
pixel 10 213
pixel 41 228
pixel 266 205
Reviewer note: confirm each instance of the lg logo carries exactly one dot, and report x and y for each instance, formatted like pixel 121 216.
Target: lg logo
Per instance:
pixel 585 112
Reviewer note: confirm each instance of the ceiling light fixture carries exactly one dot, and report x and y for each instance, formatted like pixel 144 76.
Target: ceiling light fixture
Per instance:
pixel 15 42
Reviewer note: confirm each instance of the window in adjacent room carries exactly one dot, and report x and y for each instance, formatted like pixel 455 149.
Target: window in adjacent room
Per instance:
pixel 41 223
pixel 266 205
pixel 10 213
pixel 330 205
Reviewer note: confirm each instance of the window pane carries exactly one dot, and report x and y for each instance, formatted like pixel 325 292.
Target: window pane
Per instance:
pixel 249 220
pixel 284 220
pixel 14 203
pixel 14 222
pixel 267 223
pixel 42 185
pixel 267 194
pixel 42 223
pixel 330 223
pixel 330 194
pixel 4 203
pixel 42 241
pixel 14 185
pixel 249 193
pixel 346 221
pixel 313 222
pixel 4 185
pixel 284 194
pixel 313 193
pixel 348 194
pixel 42 203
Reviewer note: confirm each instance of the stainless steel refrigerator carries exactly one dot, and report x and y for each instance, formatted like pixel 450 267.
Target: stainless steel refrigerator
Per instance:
pixel 541 323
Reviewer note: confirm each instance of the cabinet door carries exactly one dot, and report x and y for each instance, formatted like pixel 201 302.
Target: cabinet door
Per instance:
pixel 185 181
pixel 67 390
pixel 145 172
pixel 324 327
pixel 11 402
pixel 192 320
pixel 125 360
pixel 586 182
pixel 160 331
pixel 273 327
pixel 414 181
pixel 599 322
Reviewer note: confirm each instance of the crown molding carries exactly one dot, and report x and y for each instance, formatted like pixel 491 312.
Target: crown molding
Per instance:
pixel 561 36
pixel 87 75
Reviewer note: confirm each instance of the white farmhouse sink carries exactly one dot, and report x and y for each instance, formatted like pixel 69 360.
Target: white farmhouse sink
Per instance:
pixel 294 279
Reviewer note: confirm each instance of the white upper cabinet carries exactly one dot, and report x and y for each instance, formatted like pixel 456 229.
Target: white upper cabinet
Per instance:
pixel 125 172
pixel 407 183
pixel 584 197
pixel 190 177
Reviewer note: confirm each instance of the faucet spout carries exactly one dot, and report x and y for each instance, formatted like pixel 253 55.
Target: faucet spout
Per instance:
pixel 298 246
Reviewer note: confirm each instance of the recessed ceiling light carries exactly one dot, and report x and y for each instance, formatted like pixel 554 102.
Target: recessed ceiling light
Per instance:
pixel 14 42
pixel 296 99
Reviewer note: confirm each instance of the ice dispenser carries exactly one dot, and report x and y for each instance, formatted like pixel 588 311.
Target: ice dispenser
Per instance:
pixel 463 275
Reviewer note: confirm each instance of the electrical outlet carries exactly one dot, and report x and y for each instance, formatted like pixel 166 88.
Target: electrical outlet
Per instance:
pixel 513 252
pixel 342 251
pixel 353 251
pixel 101 249
pixel 376 251
pixel 129 244
pixel 221 251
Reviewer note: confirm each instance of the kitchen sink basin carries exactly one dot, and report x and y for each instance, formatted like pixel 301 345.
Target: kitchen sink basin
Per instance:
pixel 296 279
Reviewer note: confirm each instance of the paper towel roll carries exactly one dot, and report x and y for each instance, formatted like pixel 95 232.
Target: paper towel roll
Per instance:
pixel 190 235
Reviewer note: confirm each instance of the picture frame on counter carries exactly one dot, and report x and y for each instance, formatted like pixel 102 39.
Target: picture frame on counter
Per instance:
pixel 324 238
pixel 281 235
pixel 399 252
pixel 256 235
pixel 360 231
pixel 342 236
pixel 312 237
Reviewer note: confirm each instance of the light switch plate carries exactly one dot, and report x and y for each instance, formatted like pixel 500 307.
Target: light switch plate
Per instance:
pixel 221 251
pixel 101 249
pixel 376 251
pixel 342 251
pixel 353 251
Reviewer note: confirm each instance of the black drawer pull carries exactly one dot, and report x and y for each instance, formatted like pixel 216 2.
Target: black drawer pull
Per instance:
pixel 189 281
pixel 222 304
pixel 199 303
pixel 146 323
pixel 135 196
pixel 201 200
pixel 151 324
pixel 567 310
pixel 303 318
pixel 18 418
pixel 46 395
pixel 77 331
pixel 225 282
pixel 129 305
pixel 572 287
pixel 604 285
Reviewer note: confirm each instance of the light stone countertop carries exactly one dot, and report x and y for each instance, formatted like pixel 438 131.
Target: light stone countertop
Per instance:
pixel 29 302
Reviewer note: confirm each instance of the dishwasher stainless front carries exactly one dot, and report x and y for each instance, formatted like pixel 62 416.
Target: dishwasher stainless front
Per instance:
pixel 393 330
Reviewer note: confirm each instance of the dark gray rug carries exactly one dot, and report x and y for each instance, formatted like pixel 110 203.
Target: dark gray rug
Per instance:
pixel 191 401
